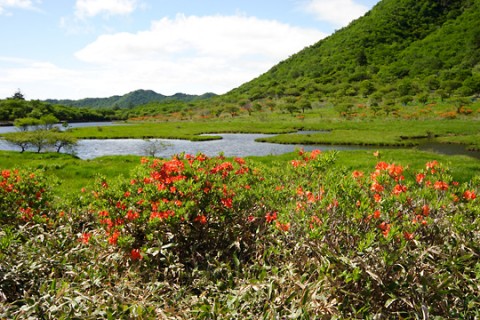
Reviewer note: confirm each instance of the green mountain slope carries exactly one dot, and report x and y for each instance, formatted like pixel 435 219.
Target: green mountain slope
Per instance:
pixel 400 48
pixel 130 100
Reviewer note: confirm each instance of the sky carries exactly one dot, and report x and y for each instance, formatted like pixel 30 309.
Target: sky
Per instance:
pixel 74 49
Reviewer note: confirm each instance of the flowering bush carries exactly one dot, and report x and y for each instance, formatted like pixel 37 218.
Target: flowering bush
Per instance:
pixel 24 195
pixel 194 206
pixel 217 238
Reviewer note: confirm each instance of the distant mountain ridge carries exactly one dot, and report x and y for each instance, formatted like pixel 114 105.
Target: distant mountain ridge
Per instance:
pixel 129 100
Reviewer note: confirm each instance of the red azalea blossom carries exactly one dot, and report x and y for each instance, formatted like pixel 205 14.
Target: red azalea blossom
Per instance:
pixel 201 219
pixel 382 166
pixel 283 226
pixel 357 174
pixel 131 215
pixel 377 187
pixel 6 174
pixel 114 237
pixel 426 210
pixel 271 216
pixel 135 254
pixel 469 195
pixel 420 178
pixel 377 197
pixel 85 237
pixel 315 221
pixel 314 154
pixel 240 161
pixel 432 164
pixel 385 227
pixel 408 235
pixel 398 189
pixel 440 185
pixel 376 214
pixel 227 202
pixel 395 171
pixel 296 163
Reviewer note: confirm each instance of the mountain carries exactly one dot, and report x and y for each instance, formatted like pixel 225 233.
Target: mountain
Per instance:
pixel 130 100
pixel 399 50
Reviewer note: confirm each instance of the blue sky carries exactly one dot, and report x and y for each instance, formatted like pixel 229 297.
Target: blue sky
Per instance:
pixel 72 49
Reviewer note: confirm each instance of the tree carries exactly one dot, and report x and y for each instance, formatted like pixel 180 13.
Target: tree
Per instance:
pixel 59 140
pixel 233 110
pixel 304 104
pixel 423 98
pixel 153 147
pixel 18 139
pixel 18 95
pixel 26 123
pixel 48 121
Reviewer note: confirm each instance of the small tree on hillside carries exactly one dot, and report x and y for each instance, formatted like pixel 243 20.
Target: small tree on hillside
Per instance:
pixel 18 95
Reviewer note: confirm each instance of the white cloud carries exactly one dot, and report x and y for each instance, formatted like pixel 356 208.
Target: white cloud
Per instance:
pixel 12 4
pixel 336 12
pixel 196 54
pixel 187 54
pixel 91 8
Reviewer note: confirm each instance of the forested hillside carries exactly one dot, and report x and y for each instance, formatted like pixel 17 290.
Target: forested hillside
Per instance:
pixel 400 50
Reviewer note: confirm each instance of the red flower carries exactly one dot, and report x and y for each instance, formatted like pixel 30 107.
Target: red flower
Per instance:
pixel 6 174
pixel 432 164
pixel 377 197
pixel 315 221
pixel 314 154
pixel 376 214
pixel 240 161
pixel 382 165
pixel 201 219
pixel 227 202
pixel 398 189
pixel 114 237
pixel 283 226
pixel 420 178
pixel 395 171
pixel 135 254
pixel 131 215
pixel 357 174
pixel 85 237
pixel 385 227
pixel 377 187
pixel 408 236
pixel 271 216
pixel 297 163
pixel 426 210
pixel 441 185
pixel 469 195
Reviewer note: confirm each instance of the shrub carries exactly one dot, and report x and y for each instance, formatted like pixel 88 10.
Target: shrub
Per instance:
pixel 191 208
pixel 24 195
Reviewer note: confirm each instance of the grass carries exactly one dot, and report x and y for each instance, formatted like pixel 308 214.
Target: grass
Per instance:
pixel 75 173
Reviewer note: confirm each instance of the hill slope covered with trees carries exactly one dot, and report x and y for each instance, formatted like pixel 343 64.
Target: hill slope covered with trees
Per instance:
pixel 400 50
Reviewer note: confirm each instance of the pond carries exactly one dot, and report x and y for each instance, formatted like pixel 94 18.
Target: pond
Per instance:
pixel 231 145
